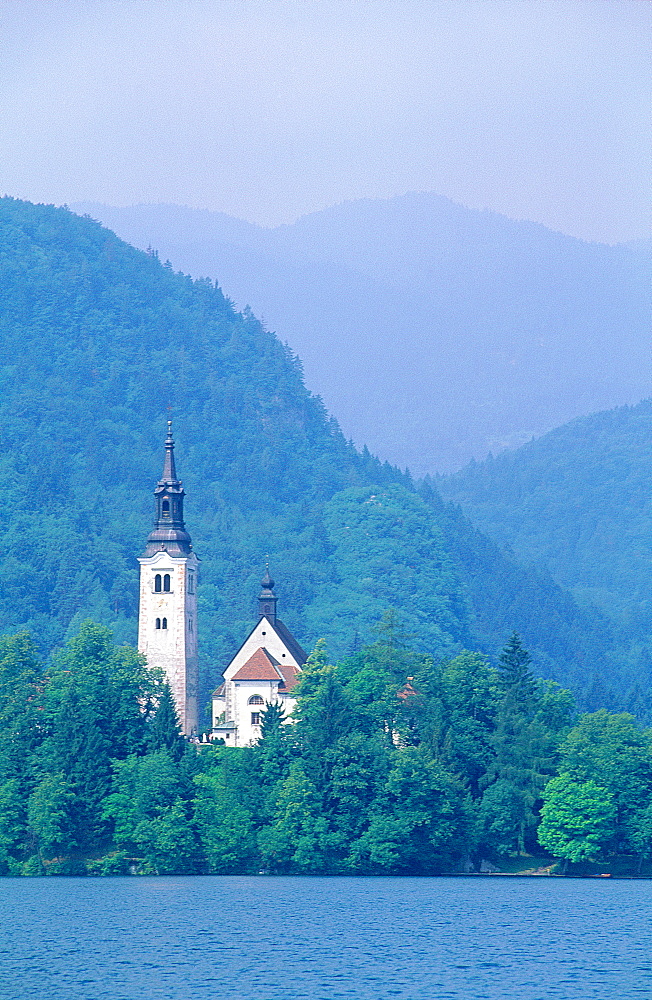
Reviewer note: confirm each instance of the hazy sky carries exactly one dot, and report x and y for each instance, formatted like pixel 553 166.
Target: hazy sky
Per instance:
pixel 268 109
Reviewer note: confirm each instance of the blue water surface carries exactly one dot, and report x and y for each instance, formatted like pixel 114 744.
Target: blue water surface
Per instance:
pixel 241 938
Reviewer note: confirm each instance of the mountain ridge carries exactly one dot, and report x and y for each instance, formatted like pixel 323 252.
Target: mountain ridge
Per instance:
pixel 473 329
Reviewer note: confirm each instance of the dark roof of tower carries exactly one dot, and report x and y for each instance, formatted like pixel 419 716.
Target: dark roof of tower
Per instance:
pixel 169 533
pixel 169 475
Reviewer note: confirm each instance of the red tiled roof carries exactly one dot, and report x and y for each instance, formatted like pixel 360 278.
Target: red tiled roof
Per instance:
pixel 290 675
pixel 262 666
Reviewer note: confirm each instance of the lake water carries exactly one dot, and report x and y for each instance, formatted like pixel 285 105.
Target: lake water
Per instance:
pixel 239 938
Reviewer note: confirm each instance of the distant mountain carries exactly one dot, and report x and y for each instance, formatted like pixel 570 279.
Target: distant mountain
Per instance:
pixel 578 503
pixel 436 333
pixel 97 340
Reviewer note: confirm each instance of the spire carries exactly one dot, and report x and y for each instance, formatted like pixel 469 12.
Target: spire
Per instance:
pixel 267 598
pixel 169 468
pixel 169 532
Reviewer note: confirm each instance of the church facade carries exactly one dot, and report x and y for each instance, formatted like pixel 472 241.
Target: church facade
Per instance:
pixel 264 671
pixel 167 619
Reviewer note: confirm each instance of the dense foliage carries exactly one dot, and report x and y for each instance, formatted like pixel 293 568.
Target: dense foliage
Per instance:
pixel 578 504
pixel 97 340
pixel 396 763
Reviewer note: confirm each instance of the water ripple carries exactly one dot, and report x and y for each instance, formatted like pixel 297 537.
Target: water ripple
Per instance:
pixel 325 939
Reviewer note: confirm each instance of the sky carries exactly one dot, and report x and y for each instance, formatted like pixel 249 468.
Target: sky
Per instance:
pixel 270 109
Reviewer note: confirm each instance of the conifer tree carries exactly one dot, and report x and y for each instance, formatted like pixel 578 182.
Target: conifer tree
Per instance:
pixel 516 676
pixel 165 729
pixel 272 719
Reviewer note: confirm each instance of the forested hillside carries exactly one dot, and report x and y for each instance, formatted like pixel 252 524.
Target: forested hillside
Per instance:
pixel 578 501
pixel 578 504
pixel 475 331
pixel 98 343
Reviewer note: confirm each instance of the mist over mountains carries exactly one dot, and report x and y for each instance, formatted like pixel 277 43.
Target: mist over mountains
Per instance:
pixel 434 333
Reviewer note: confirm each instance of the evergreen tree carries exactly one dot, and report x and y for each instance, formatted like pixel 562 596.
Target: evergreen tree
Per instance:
pixel 514 664
pixel 272 720
pixel 165 729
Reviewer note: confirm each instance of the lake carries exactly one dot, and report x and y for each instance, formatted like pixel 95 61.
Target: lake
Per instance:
pixel 262 938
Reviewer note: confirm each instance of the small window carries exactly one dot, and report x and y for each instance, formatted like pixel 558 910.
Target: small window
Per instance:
pixel 165 507
pixel 191 583
pixel 165 623
pixel 157 583
pixel 158 622
pixel 190 624
pixel 255 718
pixel 166 583
pixel 255 700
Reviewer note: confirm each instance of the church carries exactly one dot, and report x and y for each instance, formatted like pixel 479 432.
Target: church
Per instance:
pixel 265 668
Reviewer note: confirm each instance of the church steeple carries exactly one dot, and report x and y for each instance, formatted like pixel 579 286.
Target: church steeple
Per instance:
pixel 169 468
pixel 169 532
pixel 167 617
pixel 267 598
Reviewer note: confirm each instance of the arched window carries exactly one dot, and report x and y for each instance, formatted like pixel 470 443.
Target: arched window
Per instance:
pixel 158 622
pixel 166 583
pixel 165 507
pixel 255 700
pixel 157 583
pixel 165 623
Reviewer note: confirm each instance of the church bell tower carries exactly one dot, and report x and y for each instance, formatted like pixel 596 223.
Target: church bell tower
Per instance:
pixel 167 620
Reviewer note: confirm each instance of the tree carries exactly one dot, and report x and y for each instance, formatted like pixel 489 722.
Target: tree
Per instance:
pixel 578 819
pixel 228 798
pixel 417 824
pixel 322 711
pixel 151 815
pixel 516 677
pixel 164 731
pixel 48 812
pixel 272 720
pixel 614 752
pixel 299 839
pixel 97 703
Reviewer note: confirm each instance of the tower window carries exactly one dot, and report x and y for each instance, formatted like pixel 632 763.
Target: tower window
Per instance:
pixel 157 583
pixel 165 507
pixel 166 583
pixel 165 623
pixel 255 718
pixel 158 622
pixel 191 583
pixel 190 624
pixel 255 700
